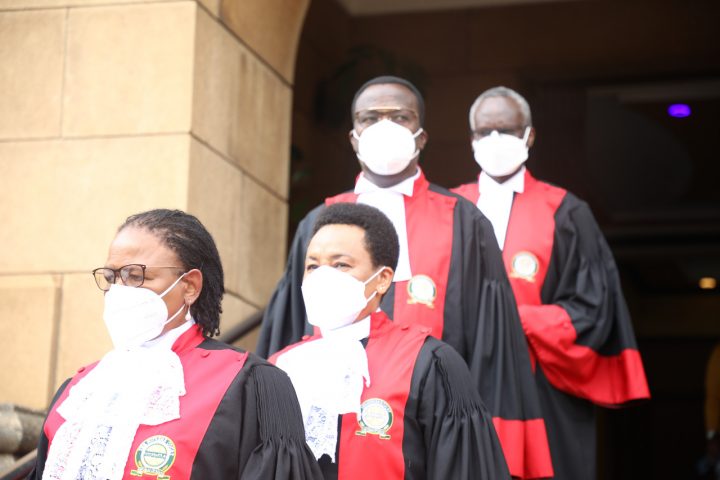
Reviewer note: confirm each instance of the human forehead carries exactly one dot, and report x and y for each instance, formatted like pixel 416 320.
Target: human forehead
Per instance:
pixel 332 241
pixel 498 110
pixel 139 245
pixel 386 96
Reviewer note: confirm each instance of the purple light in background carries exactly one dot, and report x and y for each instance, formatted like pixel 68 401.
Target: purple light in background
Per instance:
pixel 679 110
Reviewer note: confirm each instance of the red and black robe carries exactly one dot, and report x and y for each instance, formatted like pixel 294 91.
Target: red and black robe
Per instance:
pixel 574 316
pixel 239 419
pixel 472 309
pixel 429 420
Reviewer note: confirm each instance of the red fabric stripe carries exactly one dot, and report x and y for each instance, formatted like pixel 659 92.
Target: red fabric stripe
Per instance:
pixel 529 462
pixel 197 406
pixel 577 369
pixel 54 420
pixel 391 361
pixel 469 191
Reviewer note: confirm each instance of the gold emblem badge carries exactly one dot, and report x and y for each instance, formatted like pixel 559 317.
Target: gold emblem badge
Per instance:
pixel 421 289
pixel 376 418
pixel 154 457
pixel 525 265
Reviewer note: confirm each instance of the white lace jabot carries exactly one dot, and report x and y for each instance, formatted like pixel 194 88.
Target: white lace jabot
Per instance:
pixel 103 410
pixel 328 374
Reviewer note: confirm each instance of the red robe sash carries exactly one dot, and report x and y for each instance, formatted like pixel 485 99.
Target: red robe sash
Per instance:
pixel 392 351
pixel 174 444
pixel 429 221
pixel 576 369
pixel 371 447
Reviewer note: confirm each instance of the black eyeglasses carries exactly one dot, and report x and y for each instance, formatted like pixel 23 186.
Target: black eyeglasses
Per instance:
pixel 401 116
pixel 132 275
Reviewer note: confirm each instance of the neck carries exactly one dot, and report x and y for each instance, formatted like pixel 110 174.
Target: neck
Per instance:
pixel 386 181
pixel 505 178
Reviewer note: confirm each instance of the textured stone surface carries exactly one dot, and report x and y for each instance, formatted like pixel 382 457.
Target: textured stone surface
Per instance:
pixel 262 245
pixel 235 311
pixel 62 201
pixel 214 196
pixel 83 338
pixel 28 307
pixel 32 48
pixel 247 121
pixel 129 69
pixel 270 28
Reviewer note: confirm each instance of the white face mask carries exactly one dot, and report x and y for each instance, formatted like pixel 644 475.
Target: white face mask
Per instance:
pixel 134 315
pixel 386 147
pixel 501 154
pixel 334 299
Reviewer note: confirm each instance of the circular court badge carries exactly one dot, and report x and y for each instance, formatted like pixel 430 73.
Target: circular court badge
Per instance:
pixel 525 265
pixel 421 289
pixel 376 418
pixel 154 457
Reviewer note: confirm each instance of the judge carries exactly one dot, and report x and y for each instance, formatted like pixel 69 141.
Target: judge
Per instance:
pixel 450 277
pixel 380 399
pixel 168 401
pixel 564 279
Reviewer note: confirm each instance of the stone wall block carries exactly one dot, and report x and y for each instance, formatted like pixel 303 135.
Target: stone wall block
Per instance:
pixel 83 338
pixel 129 69
pixel 214 196
pixel 32 47
pixel 248 121
pixel 28 310
pixel 273 36
pixel 62 201
pixel 262 249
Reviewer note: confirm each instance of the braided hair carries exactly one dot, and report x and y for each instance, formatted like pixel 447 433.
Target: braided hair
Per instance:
pixel 192 243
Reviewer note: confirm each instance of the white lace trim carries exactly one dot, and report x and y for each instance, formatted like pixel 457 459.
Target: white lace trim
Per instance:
pixel 103 411
pixel 328 378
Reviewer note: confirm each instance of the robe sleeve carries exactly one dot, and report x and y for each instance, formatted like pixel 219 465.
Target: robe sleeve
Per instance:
pixel 43 443
pixel 493 344
pixel 281 452
pixel 460 440
pixel 284 321
pixel 582 334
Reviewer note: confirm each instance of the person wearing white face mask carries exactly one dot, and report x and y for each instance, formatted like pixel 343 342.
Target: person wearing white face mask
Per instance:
pixel 168 401
pixel 380 399
pixel 449 275
pixel 565 282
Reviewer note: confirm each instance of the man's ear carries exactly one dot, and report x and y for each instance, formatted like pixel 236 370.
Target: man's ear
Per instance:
pixel 421 140
pixel 353 140
pixel 193 285
pixel 531 137
pixel 385 280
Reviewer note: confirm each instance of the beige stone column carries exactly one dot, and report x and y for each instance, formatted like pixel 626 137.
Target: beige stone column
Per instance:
pixel 111 107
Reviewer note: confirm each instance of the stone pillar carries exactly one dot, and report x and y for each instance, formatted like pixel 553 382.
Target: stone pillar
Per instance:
pixel 111 107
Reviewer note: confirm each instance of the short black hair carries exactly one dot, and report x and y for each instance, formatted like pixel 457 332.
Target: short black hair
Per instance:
pixel 391 79
pixel 381 240
pixel 192 243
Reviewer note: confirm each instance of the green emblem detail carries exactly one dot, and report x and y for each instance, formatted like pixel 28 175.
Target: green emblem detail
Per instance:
pixel 376 418
pixel 154 457
pixel 421 289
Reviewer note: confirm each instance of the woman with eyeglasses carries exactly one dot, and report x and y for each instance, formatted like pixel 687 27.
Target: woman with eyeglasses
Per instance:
pixel 168 401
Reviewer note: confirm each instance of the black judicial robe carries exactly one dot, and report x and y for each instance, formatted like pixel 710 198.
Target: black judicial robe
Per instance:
pixel 421 418
pixel 459 290
pixel 574 315
pixel 239 419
